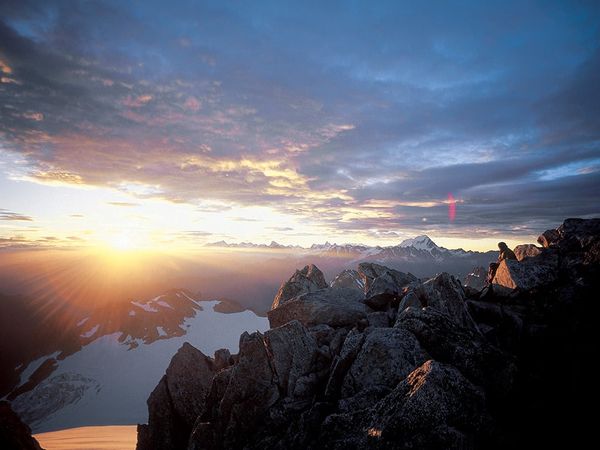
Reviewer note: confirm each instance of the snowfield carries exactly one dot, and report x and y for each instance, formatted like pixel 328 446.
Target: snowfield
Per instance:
pixel 112 381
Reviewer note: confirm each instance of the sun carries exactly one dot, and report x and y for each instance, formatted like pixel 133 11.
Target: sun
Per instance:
pixel 122 242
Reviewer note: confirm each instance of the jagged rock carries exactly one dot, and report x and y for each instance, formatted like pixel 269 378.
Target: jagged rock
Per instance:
pixel 526 251
pixel 342 362
pixel 449 342
pixel 223 359
pixel 296 360
pixel 348 278
pixel 336 307
pixel 476 279
pixel 531 273
pixel 380 279
pixel 378 319
pixel 435 407
pixel 386 356
pixel 309 279
pixel 382 302
pixel 14 434
pixel 252 389
pixel 443 293
pixel 177 400
pixel 500 324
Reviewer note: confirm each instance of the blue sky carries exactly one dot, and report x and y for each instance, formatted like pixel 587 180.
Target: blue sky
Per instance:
pixel 299 121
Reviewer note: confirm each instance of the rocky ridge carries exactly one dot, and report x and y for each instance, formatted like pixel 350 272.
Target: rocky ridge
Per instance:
pixel 402 363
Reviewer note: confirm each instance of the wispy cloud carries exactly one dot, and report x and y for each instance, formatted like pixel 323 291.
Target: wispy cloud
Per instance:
pixel 9 215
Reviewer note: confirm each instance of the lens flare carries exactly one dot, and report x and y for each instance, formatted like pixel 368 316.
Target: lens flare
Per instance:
pixel 451 207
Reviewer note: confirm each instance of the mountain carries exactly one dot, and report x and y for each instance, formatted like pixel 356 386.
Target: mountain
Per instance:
pixel 120 355
pixel 420 242
pixel 272 245
pixel 384 360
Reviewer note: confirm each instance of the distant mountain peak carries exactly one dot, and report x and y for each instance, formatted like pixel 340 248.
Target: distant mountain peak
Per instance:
pixel 422 242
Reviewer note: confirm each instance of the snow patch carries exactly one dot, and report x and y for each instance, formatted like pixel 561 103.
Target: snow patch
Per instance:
pixel 91 332
pixel 145 306
pixel 164 304
pixel 131 313
pixel 33 366
pixel 82 321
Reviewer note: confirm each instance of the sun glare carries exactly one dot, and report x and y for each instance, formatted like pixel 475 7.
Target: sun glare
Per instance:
pixel 123 242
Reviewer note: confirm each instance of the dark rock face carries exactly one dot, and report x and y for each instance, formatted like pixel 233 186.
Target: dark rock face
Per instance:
pixel 387 356
pixel 443 293
pixel 434 407
pixel 309 279
pixel 418 367
pixel 476 279
pixel 177 401
pixel 14 434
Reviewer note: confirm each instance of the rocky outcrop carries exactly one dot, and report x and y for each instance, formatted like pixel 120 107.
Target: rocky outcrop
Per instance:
pixel 434 407
pixel 177 401
pixel 386 356
pixel 309 279
pixel 14 434
pixel 350 279
pixel 420 366
pixel 526 251
pixel 443 293
pixel 476 279
pixel 527 274
pixel 337 307
pixel 379 279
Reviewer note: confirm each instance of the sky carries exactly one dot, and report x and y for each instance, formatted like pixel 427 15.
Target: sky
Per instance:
pixel 173 124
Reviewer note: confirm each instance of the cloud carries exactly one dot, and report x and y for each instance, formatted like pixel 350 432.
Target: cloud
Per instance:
pixel 12 216
pixel 364 123
pixel 124 204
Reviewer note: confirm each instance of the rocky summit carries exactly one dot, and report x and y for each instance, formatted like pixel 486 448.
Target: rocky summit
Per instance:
pixel 380 359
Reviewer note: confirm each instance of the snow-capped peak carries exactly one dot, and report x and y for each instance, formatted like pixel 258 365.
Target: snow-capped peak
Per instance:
pixel 420 242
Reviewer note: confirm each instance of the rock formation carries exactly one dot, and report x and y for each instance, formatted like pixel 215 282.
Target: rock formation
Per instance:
pixel 309 279
pixel 403 363
pixel 14 434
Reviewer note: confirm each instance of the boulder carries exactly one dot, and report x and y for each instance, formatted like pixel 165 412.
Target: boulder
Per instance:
pixel 348 278
pixel 336 307
pixel 14 434
pixel 531 273
pixel 526 251
pixel 177 401
pixel 548 238
pixel 443 293
pixel 434 407
pixel 466 349
pixel 386 357
pixel 309 279
pixel 380 279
